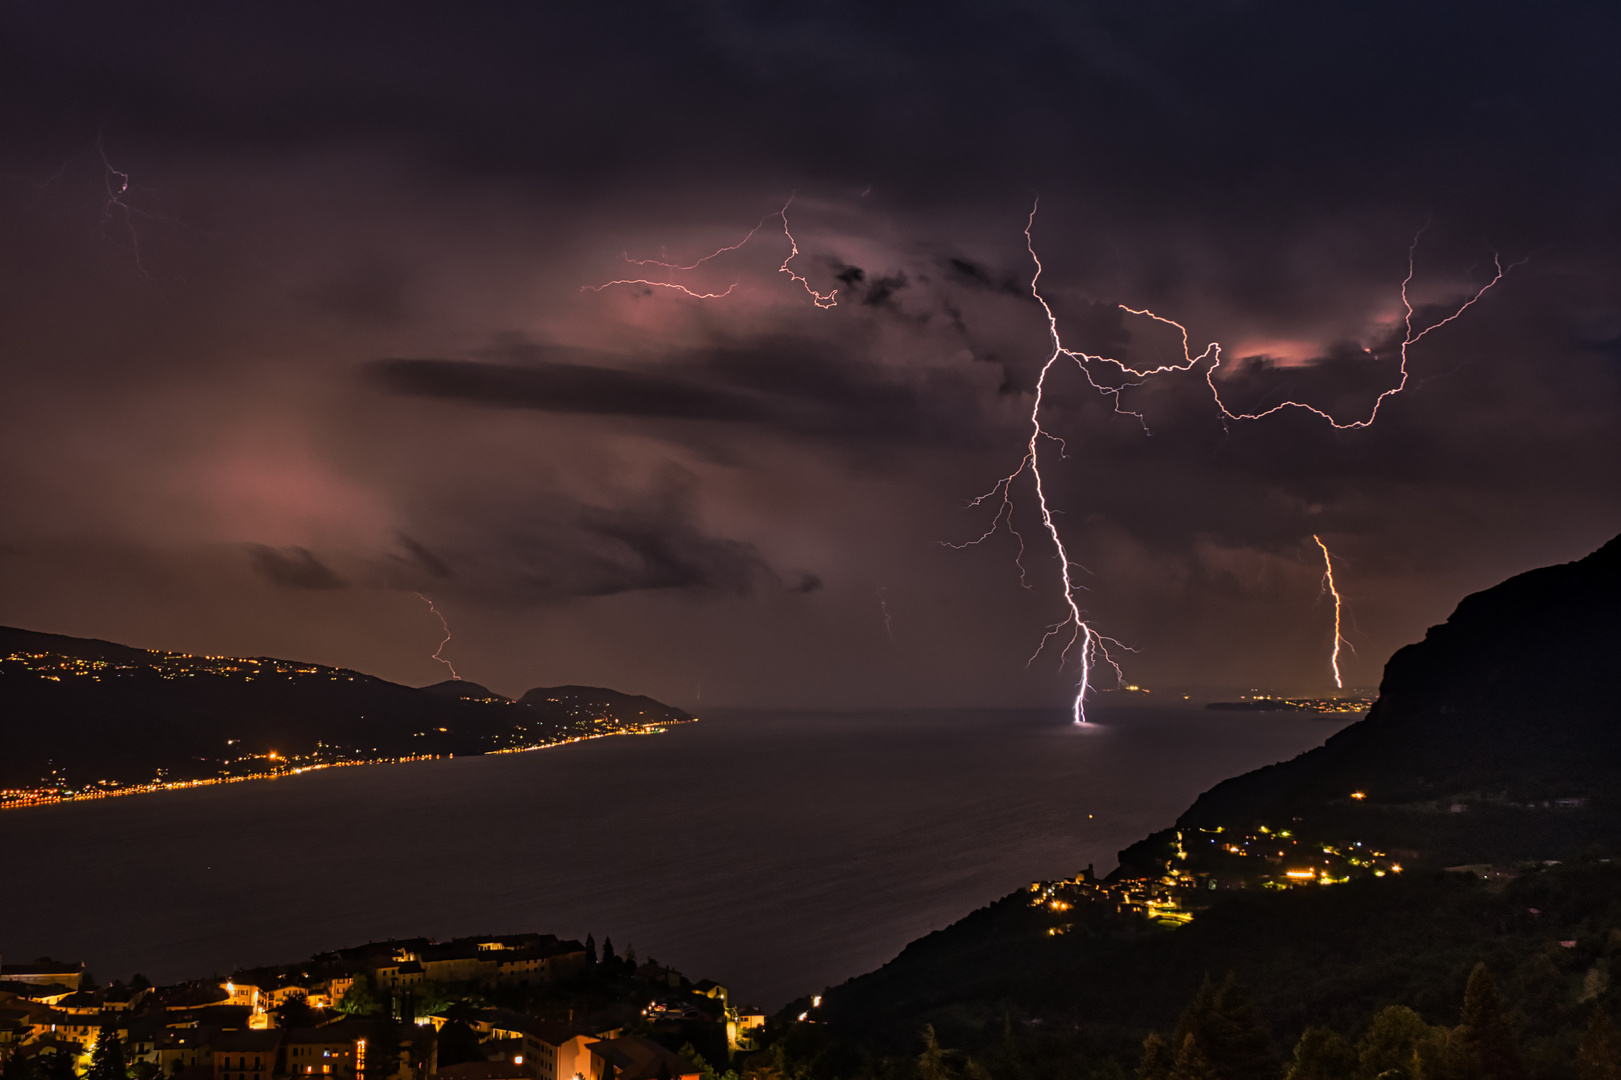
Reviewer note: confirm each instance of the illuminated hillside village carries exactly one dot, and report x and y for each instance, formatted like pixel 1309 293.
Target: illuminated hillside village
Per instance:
pixel 1207 861
pixel 516 1007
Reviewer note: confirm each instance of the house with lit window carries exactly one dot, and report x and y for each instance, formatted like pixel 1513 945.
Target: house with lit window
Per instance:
pixel 323 1051
pixel 246 1055
pixel 180 1049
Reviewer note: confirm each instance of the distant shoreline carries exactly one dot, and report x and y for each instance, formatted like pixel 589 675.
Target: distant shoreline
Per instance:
pixel 28 799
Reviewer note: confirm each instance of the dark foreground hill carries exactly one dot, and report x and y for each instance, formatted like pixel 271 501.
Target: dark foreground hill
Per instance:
pixel 1495 740
pixel 86 715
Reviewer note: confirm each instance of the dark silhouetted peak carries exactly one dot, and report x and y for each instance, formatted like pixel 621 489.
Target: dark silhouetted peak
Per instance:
pixel 1508 705
pixel 461 688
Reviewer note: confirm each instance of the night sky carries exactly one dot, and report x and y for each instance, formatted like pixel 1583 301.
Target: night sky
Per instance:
pixel 293 328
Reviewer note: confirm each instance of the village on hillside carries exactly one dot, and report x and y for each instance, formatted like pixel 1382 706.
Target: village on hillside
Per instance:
pixel 508 1007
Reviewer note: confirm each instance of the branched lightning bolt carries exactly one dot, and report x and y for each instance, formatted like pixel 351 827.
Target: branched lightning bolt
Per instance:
pixel 700 262
pixel 821 300
pixel 1090 646
pixel 1212 353
pixel 442 644
pixel 1328 587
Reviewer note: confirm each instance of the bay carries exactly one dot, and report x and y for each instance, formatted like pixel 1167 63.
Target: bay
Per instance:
pixel 776 852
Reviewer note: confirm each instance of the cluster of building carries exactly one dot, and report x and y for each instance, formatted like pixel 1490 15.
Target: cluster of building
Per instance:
pixel 60 667
pixel 377 1012
pixel 1210 860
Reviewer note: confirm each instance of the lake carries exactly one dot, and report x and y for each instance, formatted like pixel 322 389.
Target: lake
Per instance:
pixel 776 852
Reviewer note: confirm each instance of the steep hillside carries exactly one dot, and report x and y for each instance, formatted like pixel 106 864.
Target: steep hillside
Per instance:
pixel 1497 737
pixel 1495 740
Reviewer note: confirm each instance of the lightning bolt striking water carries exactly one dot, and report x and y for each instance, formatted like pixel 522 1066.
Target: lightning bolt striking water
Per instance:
pixel 1090 646
pixel 442 644
pixel 821 300
pixel 1328 586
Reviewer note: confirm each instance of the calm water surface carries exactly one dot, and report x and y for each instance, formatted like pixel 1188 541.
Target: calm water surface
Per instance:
pixel 775 852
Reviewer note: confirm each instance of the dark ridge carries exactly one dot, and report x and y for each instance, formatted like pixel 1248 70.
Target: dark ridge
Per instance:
pixel 462 688
pixel 85 716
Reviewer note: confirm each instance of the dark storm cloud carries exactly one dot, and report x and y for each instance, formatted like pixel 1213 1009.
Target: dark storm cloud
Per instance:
pixel 1266 109
pixel 552 386
pixel 312 183
pixel 292 568
pixel 420 557
pixel 557 549
pixel 797 388
pixel 965 271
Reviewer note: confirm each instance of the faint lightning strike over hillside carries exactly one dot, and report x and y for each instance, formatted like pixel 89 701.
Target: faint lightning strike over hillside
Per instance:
pixel 1328 587
pixel 442 644
pixel 1090 646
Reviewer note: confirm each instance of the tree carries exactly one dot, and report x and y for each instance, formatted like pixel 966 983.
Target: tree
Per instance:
pixel 1227 1032
pixel 1599 1057
pixel 607 949
pixel 107 1060
pixel 706 1071
pixel 931 1064
pixel 358 1000
pixel 1191 1063
pixel 1487 1037
pixel 1391 1046
pixel 294 1011
pixel 1156 1059
pixel 590 949
pixel 1322 1054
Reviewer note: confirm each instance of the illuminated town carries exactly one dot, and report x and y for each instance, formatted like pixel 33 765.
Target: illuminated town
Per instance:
pixel 1209 861
pixel 498 1007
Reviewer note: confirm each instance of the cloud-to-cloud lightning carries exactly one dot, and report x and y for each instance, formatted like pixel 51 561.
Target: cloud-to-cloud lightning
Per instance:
pixel 437 653
pixel 821 300
pixel 1329 587
pixel 115 209
pixel 1090 646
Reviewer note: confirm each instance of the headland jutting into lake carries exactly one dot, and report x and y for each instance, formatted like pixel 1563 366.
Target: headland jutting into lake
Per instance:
pixel 94 719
